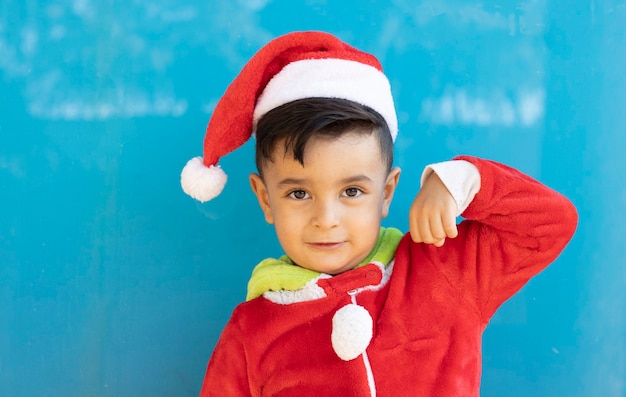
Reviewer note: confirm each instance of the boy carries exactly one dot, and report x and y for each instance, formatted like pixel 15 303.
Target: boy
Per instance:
pixel 353 309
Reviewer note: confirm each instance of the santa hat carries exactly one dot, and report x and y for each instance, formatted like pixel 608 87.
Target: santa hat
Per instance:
pixel 294 66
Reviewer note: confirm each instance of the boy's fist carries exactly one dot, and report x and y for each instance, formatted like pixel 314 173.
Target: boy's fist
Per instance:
pixel 432 217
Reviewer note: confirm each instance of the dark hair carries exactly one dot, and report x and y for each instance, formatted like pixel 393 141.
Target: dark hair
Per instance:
pixel 294 123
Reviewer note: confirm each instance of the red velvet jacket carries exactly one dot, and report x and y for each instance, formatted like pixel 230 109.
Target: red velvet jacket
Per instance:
pixel 429 306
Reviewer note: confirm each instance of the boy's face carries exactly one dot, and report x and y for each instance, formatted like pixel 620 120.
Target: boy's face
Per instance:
pixel 327 213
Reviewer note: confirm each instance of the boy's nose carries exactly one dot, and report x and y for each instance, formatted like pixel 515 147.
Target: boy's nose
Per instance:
pixel 326 215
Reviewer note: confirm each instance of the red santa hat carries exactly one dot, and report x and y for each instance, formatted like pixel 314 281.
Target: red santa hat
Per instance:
pixel 294 66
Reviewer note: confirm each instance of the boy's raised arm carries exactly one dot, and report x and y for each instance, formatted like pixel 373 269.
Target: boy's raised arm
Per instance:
pixel 514 227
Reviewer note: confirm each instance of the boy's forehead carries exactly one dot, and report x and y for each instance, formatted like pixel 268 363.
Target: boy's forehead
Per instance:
pixel 361 145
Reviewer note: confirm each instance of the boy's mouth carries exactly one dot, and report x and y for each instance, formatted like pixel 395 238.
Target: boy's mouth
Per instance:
pixel 327 246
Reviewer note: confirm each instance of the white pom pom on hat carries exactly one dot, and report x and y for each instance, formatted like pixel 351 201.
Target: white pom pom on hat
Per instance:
pixel 201 182
pixel 295 66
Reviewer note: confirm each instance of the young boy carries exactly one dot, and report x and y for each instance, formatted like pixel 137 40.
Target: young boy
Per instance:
pixel 353 309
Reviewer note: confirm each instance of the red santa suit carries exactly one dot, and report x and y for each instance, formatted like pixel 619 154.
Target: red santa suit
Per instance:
pixel 405 324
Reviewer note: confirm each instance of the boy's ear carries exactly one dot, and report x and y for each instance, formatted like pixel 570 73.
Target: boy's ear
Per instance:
pixel 258 187
pixel 390 188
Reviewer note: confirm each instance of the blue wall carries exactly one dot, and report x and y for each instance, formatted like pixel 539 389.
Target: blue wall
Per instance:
pixel 114 283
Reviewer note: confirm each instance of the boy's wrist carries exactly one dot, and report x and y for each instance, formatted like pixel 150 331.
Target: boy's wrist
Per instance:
pixel 460 177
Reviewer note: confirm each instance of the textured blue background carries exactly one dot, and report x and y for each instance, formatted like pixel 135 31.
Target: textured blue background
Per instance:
pixel 114 283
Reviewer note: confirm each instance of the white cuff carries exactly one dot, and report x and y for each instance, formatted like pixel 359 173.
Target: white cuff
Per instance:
pixel 460 177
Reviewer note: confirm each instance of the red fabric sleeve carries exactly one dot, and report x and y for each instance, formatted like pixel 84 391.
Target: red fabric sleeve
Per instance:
pixel 227 371
pixel 513 229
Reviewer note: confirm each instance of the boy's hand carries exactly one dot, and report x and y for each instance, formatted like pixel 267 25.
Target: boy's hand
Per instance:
pixel 432 217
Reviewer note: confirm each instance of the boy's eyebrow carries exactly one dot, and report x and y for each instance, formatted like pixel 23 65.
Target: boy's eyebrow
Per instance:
pixel 348 180
pixel 291 181
pixel 356 178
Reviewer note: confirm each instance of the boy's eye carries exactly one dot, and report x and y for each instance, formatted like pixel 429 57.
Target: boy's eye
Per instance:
pixel 353 192
pixel 298 195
